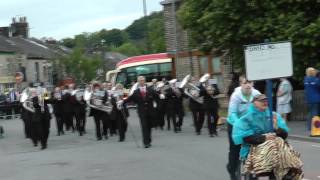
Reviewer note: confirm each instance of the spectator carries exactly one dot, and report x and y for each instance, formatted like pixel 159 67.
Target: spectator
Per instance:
pixel 284 97
pixel 312 94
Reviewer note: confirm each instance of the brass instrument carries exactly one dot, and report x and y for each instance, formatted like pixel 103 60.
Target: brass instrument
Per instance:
pixel 97 102
pixel 25 99
pixel 190 89
pixel 204 78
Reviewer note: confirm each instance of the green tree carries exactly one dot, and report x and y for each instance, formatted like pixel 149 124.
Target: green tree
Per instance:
pixel 68 42
pixel 156 39
pixel 228 25
pixel 80 67
pixel 128 49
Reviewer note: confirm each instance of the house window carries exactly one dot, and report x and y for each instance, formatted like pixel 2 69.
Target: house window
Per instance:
pixel 37 73
pixel 204 67
pixel 216 65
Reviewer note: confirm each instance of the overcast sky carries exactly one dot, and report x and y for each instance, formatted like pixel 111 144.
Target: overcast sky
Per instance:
pixel 66 18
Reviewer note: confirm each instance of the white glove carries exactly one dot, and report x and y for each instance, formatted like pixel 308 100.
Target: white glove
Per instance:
pixel 162 96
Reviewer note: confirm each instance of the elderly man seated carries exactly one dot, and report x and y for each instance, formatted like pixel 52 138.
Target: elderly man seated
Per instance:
pixel 263 143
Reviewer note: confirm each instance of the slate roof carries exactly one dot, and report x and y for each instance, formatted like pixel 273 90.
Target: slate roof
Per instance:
pixel 33 48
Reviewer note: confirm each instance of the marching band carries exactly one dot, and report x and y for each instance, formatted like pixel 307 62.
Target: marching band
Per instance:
pixel 108 107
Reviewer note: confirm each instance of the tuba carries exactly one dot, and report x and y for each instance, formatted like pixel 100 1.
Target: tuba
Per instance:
pixel 190 89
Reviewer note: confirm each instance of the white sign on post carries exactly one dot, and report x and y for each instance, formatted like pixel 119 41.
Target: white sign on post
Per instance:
pixel 268 61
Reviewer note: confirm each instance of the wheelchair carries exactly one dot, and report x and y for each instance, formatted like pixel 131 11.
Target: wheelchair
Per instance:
pixel 241 175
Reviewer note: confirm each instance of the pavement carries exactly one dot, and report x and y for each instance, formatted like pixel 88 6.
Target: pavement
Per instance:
pixel 298 131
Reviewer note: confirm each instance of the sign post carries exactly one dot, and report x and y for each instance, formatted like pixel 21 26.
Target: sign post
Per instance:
pixel 268 61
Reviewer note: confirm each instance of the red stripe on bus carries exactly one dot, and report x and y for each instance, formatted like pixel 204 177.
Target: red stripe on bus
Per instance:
pixel 142 58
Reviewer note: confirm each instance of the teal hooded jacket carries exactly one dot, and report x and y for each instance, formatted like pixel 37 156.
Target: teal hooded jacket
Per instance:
pixel 254 122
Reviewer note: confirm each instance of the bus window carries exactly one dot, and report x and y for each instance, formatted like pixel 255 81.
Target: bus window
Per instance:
pixel 149 71
pixel 131 79
pixel 121 78
pixel 165 70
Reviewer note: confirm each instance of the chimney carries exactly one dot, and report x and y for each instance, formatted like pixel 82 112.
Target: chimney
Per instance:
pixel 20 28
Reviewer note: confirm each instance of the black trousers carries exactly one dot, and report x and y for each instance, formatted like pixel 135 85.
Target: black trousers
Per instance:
pixel 80 122
pixel 198 119
pixel 146 124
pixel 26 118
pixel 234 150
pixel 172 116
pixel 68 120
pixel 99 120
pixel 59 122
pixel 212 121
pixel 122 123
pixel 40 131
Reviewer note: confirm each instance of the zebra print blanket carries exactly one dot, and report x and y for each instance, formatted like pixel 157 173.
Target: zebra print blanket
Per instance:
pixel 275 156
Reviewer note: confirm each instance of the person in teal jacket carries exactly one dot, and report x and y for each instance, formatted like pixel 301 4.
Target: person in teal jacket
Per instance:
pixel 251 128
pixel 239 103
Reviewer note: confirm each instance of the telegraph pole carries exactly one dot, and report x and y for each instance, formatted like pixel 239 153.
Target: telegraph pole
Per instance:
pixel 144 7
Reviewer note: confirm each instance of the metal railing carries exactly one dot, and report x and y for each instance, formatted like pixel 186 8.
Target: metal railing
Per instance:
pixel 299 106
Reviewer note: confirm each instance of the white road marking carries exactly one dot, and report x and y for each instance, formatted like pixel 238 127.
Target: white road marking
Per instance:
pixel 319 177
pixel 318 146
pixel 305 179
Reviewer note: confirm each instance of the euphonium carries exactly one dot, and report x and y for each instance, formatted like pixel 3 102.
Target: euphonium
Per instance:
pixel 98 102
pixel 190 89
pixel 25 99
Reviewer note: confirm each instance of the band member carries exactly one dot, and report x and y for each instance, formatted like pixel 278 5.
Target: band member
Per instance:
pixel 68 110
pixel 110 122
pixel 196 109
pixel 144 98
pixel 80 112
pixel 211 106
pixel 57 103
pixel 26 116
pixel 98 115
pixel 173 106
pixel 160 109
pixel 40 121
pixel 120 112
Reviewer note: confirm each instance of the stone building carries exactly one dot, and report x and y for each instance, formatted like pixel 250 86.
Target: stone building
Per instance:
pixel 192 61
pixel 30 56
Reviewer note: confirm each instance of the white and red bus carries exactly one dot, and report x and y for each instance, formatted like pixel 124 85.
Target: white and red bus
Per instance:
pixel 152 66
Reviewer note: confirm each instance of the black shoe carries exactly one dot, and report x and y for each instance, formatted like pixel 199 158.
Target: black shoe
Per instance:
pixel 121 140
pixel 105 137
pixel 198 133
pixel 99 138
pixel 35 144
pixel 147 146
pixel 211 135
pixel 43 147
